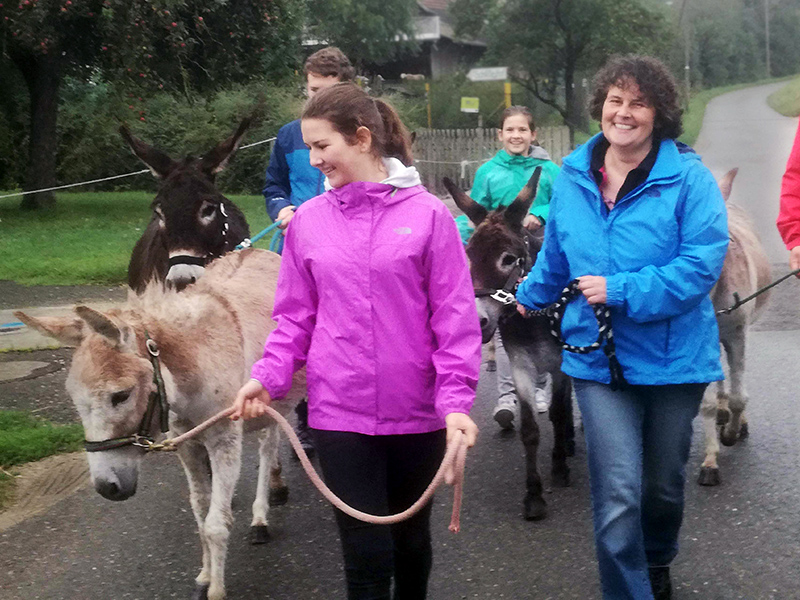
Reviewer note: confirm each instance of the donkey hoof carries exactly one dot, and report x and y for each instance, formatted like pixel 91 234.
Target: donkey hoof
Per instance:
pixel 200 591
pixel 744 431
pixel 491 366
pixel 560 478
pixel 279 496
pixel 727 439
pixel 723 416
pixel 535 509
pixel 709 476
pixel 259 534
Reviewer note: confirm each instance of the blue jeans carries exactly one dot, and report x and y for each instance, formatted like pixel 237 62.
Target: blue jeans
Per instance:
pixel 638 442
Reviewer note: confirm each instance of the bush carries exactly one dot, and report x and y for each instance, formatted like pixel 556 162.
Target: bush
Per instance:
pixel 90 146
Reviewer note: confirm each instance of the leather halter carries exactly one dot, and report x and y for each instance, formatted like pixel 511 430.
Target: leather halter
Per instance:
pixel 506 294
pixel 202 261
pixel 141 438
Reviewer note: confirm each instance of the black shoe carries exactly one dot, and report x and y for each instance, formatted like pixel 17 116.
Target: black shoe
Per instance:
pixel 660 582
pixel 301 429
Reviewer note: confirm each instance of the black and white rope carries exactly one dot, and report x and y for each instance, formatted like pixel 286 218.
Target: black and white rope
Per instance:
pixel 605 332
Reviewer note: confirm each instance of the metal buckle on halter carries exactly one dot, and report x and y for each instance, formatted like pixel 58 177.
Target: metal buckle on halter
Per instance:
pixel 152 347
pixel 245 243
pixel 150 445
pixel 504 297
pixel 141 441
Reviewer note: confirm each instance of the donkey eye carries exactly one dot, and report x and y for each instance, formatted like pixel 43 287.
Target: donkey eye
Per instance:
pixel 207 210
pixel 120 397
pixel 508 259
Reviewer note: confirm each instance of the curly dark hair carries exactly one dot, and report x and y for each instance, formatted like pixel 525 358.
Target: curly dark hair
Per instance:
pixel 655 82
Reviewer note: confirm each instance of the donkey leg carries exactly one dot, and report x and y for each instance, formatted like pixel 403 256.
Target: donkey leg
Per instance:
pixel 709 471
pixel 278 490
pixel 523 370
pixel 737 398
pixel 268 444
pixel 225 452
pixel 559 413
pixel 534 504
pixel 194 458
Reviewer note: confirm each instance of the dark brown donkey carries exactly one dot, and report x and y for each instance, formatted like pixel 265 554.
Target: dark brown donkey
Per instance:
pixel 499 251
pixel 192 222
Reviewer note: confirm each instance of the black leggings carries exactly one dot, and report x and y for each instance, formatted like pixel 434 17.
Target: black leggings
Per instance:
pixel 382 475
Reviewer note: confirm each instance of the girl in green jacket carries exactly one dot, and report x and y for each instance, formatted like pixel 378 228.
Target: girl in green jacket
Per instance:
pixel 497 184
pixel 498 181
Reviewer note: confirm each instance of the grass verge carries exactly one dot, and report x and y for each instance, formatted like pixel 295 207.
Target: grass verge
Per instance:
pixel 87 238
pixel 26 438
pixel 786 100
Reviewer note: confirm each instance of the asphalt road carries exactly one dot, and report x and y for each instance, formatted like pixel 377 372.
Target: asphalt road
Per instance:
pixel 739 541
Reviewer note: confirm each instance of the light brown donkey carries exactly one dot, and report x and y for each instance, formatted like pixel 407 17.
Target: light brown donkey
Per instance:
pixel 746 269
pixel 208 337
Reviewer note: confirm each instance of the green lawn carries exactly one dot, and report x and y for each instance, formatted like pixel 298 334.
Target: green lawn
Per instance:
pixel 86 237
pixel 786 100
pixel 25 438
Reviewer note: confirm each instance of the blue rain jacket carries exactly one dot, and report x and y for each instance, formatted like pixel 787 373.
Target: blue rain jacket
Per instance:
pixel 661 250
pixel 290 178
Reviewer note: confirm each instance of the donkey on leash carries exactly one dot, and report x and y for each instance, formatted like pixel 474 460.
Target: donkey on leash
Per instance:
pixel 205 343
pixel 500 251
pixel 745 270
pixel 192 222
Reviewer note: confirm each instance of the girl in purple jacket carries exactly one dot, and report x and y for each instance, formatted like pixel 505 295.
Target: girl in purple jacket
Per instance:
pixel 374 297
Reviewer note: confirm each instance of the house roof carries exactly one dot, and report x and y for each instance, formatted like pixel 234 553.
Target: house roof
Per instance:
pixel 434 21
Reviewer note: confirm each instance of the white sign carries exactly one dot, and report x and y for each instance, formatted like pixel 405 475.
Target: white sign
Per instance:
pixel 488 74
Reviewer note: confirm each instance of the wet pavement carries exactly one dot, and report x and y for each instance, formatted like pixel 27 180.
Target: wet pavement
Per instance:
pixel 739 540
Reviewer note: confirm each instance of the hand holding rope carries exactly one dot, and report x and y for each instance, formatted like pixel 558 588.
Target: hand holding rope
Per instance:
pixel 605 333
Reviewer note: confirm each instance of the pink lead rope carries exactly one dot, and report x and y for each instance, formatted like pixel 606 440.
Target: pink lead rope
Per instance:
pixel 455 457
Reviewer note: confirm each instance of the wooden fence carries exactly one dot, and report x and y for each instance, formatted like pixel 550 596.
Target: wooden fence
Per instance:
pixel 457 153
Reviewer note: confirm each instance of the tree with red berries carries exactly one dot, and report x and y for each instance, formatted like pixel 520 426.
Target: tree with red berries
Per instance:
pixel 190 46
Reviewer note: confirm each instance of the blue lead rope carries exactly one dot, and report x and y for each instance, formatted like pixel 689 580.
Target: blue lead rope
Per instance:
pixel 273 244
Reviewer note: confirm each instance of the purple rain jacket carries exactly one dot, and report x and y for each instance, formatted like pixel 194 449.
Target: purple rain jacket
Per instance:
pixel 374 296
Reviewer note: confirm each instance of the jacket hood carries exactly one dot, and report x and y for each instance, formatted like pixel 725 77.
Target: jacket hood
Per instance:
pixel 535 157
pixel 400 176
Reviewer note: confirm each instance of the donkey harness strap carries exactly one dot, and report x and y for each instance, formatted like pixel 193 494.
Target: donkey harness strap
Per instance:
pixel 141 438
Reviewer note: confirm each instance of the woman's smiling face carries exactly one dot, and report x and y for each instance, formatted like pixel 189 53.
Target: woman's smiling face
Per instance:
pixel 628 118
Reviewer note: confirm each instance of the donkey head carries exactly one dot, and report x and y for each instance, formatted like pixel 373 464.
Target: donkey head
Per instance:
pixel 497 246
pixel 192 220
pixel 109 383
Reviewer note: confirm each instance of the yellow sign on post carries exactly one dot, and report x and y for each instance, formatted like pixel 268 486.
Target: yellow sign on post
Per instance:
pixel 507 88
pixel 470 105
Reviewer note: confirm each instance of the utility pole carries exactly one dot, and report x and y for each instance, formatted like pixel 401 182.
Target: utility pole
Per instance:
pixel 766 36
pixel 687 40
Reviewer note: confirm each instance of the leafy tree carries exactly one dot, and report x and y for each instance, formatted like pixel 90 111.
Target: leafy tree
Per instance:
pixel 373 31
pixel 550 44
pixel 187 45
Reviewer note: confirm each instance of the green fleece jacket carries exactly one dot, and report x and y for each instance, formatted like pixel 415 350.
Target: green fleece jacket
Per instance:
pixel 498 182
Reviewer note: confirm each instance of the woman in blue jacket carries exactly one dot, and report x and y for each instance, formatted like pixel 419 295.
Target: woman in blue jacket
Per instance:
pixel 640 222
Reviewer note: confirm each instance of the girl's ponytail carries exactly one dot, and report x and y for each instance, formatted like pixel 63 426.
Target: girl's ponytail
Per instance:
pixel 397 139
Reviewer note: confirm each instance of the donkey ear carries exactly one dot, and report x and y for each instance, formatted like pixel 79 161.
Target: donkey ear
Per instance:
pixel 517 210
pixel 217 159
pixel 67 330
pixel 726 183
pixel 159 163
pixel 474 211
pixel 100 323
